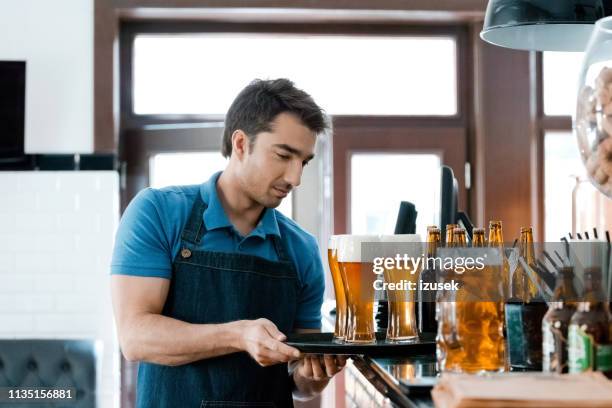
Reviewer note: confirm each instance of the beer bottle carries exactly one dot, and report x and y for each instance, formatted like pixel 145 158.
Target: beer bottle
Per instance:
pixel 478 238
pixel 522 287
pixel 589 347
pixel 449 234
pixel 496 236
pixel 426 313
pixel 496 240
pixel 556 322
pixel 459 237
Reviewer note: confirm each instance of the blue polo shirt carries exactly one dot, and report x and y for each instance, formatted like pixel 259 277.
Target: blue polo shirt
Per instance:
pixel 149 238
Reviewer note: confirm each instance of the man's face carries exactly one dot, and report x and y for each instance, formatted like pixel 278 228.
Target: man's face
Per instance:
pixel 273 165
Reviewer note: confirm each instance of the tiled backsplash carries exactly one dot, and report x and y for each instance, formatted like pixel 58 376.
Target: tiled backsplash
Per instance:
pixel 56 235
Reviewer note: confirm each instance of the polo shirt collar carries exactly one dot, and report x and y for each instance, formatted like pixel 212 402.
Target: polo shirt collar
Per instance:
pixel 215 216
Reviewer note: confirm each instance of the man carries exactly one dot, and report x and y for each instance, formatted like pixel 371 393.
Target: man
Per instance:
pixel 207 279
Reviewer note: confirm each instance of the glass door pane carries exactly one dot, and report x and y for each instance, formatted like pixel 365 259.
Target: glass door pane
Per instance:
pixel 380 181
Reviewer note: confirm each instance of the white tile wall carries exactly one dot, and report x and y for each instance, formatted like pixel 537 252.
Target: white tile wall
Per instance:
pixel 56 236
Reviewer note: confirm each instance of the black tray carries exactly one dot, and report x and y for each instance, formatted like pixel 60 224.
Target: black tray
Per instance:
pixel 322 343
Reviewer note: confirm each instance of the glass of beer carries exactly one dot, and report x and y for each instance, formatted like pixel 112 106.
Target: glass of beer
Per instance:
pixel 339 290
pixel 359 284
pixel 401 281
pixel 471 319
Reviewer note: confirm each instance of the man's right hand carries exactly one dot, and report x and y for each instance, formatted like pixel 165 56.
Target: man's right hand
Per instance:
pixel 264 342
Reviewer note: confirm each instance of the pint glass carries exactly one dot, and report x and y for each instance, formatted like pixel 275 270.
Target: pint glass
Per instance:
pixel 359 284
pixel 401 284
pixel 339 290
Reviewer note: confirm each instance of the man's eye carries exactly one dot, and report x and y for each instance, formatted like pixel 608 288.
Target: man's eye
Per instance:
pixel 283 156
pixel 305 163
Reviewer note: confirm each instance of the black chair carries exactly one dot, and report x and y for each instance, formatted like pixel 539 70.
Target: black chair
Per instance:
pixel 53 363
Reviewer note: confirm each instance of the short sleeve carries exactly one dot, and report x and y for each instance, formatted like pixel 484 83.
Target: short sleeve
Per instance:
pixel 141 246
pixel 311 294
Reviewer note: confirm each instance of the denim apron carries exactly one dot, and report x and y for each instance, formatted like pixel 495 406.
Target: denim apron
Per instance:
pixel 217 287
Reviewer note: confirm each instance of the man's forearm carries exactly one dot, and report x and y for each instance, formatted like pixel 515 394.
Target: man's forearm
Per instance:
pixel 163 340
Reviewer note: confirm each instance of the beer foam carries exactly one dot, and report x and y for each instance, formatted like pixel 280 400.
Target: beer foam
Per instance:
pixel 333 241
pixel 349 246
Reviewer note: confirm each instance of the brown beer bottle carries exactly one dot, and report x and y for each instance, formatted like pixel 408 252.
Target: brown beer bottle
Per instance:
pixel 426 312
pixel 496 236
pixel 589 347
pixel 449 234
pixel 459 237
pixel 478 238
pixel 522 287
pixel 496 240
pixel 556 323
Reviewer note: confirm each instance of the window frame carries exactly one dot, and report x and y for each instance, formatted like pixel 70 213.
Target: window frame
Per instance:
pixel 135 129
pixel 129 30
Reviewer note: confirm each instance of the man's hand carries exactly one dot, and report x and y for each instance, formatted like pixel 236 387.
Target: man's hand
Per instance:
pixel 316 367
pixel 264 342
pixel 312 373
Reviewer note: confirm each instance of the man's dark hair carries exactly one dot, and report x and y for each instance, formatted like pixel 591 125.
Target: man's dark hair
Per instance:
pixel 257 105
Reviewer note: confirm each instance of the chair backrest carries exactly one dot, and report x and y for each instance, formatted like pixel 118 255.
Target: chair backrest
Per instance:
pixel 60 364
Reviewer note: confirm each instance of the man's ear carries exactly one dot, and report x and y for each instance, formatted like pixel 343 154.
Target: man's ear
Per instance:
pixel 240 143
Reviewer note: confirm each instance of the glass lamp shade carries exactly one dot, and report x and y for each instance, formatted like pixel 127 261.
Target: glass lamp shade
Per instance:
pixel 542 25
pixel 593 117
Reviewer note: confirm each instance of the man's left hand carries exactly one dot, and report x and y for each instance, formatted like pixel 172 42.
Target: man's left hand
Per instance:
pixel 320 367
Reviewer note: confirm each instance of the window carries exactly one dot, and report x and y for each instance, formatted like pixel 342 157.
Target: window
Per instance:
pixel 380 181
pixel 167 169
pixel 201 74
pixel 171 169
pixel 560 74
pixel 562 165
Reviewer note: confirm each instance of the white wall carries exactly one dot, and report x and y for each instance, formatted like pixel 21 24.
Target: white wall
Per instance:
pixel 56 237
pixel 55 38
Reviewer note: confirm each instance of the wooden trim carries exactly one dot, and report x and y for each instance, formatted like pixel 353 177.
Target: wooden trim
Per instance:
pixel 476 134
pixel 451 6
pixel 555 122
pixel 106 34
pixel 503 137
pixel 105 88
pixel 537 149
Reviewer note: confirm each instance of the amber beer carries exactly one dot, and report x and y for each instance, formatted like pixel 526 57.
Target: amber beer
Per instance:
pixel 471 332
pixel 359 284
pixel 401 326
pixel 339 291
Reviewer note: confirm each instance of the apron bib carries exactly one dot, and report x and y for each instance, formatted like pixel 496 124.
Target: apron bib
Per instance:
pixel 210 287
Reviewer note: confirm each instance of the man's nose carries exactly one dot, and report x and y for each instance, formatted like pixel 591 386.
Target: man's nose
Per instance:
pixel 293 175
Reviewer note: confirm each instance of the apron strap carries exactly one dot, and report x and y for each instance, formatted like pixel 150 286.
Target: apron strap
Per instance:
pixel 194 229
pixel 280 248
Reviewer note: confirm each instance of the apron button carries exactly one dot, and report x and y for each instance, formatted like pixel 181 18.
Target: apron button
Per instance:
pixel 185 253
